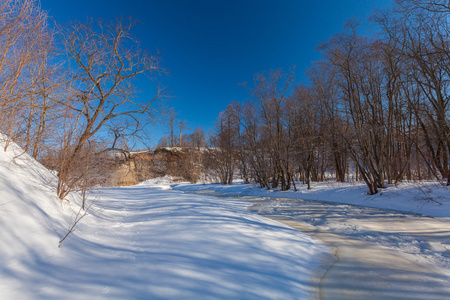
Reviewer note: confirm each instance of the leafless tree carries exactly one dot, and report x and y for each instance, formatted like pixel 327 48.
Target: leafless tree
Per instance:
pixel 171 120
pixel 22 31
pixel 270 92
pixel 334 128
pixel 437 6
pixel 182 125
pixel 222 156
pixel 104 59
pixel 422 29
pixel 379 104
pixel 198 138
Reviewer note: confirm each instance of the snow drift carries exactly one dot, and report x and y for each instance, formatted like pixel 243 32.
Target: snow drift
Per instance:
pixel 32 218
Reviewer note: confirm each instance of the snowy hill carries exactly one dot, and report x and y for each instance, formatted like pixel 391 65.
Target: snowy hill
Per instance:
pixel 32 218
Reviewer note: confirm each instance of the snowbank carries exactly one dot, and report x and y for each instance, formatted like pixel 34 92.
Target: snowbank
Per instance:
pixel 427 198
pixel 163 183
pixel 32 219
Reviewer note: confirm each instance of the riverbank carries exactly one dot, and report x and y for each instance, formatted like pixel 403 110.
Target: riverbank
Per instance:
pixel 379 253
pixel 425 198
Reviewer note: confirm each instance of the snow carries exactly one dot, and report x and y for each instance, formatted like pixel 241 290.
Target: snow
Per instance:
pixel 143 242
pixel 426 198
pixel 158 240
pixel 153 243
pixel 32 218
pixel 394 243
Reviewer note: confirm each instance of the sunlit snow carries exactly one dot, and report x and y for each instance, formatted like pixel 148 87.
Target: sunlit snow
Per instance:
pixel 143 242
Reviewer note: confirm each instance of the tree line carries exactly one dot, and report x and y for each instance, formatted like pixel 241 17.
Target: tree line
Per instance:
pixel 67 92
pixel 376 109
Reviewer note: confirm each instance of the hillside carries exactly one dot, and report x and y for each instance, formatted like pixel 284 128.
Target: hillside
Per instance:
pixel 32 218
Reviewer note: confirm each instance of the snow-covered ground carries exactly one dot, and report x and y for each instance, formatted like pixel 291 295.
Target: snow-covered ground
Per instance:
pixel 427 198
pixel 154 243
pixel 143 242
pixel 394 245
pixel 150 241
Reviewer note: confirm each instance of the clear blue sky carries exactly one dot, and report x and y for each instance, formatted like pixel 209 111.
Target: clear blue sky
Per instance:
pixel 211 46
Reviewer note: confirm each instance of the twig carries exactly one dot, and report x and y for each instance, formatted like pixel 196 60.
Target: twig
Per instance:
pixel 427 196
pixel 78 218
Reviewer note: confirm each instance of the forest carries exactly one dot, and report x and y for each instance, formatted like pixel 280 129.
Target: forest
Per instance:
pixel 375 108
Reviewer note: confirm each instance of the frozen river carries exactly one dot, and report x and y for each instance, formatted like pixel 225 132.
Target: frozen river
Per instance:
pixel 378 253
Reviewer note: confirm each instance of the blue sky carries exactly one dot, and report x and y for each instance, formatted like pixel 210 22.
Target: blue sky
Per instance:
pixel 210 47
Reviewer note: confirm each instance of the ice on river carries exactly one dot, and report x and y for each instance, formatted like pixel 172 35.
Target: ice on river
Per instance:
pixel 380 253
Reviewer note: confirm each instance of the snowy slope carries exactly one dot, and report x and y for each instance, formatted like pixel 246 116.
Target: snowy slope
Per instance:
pixel 32 218
pixel 143 242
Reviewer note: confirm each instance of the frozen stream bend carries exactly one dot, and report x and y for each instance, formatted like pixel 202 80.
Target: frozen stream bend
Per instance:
pixel 380 254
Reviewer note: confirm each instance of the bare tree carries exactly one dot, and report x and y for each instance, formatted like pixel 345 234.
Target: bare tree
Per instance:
pixel 198 138
pixel 334 128
pixel 422 28
pixel 379 104
pixel 368 75
pixel 104 59
pixel 437 6
pixel 222 157
pixel 171 120
pixel 270 91
pixel 182 125
pixel 22 30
